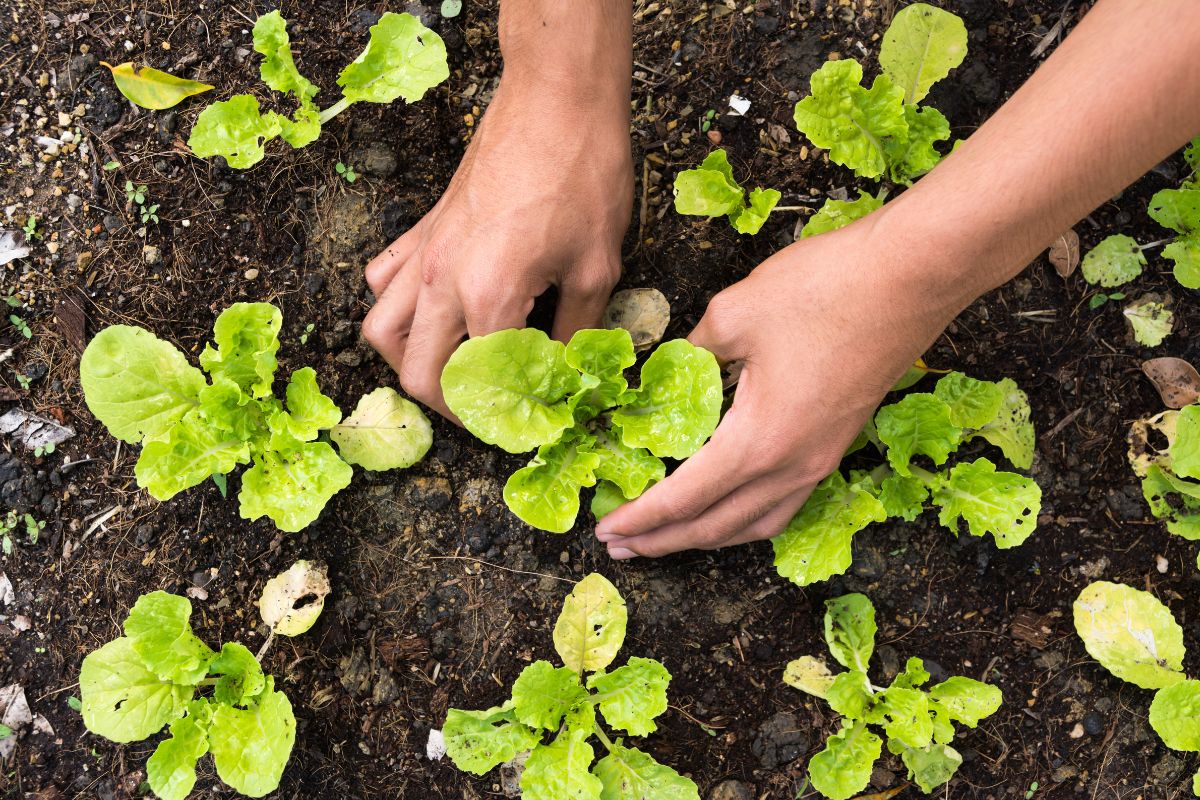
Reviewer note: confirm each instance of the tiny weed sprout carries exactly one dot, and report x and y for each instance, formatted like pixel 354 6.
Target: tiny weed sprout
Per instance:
pixel 520 390
pixel 403 59
pixel 1170 474
pixel 21 325
pixel 883 131
pixel 816 544
pixel 1136 638
pixel 30 229
pixel 918 723
pixel 710 191
pixel 562 702
pixel 145 392
pixel 1100 298
pixel 136 196
pixel 347 172
pixel 308 330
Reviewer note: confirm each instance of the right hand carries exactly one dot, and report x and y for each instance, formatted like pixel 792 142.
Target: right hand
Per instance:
pixel 542 198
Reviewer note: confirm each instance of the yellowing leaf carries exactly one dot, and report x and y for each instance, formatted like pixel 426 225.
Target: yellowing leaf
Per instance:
pixel 151 88
pixel 591 627
pixel 278 604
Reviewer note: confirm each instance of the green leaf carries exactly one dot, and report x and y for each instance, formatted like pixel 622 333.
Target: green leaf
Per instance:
pixel 402 59
pixel 1184 448
pixel 1003 504
pixel 386 431
pixel 510 388
pixel 849 121
pixel 850 630
pixel 1177 209
pixel 278 69
pixel 137 385
pixel 171 770
pixel 147 87
pixel 917 425
pixel 560 771
pixel 1011 430
pixel 920 47
pixel 543 694
pixel 1151 321
pixel 930 767
pixel 477 741
pixel 850 695
pixel 1173 500
pixel 192 451
pixel 973 403
pixel 122 700
pixel 608 498
pixel 591 627
pixel 750 218
pixel 912 155
pixel 836 214
pixel 234 129
pixel 240 678
pixel 843 768
pixel 247 337
pixel 1117 260
pixel 1175 716
pixel 545 494
pixel 632 696
pixel 303 129
pixel 913 676
pixel 904 715
pixel 677 406
pixel 226 408
pixel 630 774
pixel 603 355
pixel 159 629
pixel 903 496
pixel 250 747
pixel 816 543
pixel 310 411
pixel 293 487
pixel 965 700
pixel 709 190
pixel 1185 252
pixel 1131 634
pixel 810 675
pixel 632 470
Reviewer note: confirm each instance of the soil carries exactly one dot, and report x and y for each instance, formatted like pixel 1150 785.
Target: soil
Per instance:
pixel 440 595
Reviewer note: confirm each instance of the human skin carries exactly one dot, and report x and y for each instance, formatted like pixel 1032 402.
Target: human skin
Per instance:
pixel 825 326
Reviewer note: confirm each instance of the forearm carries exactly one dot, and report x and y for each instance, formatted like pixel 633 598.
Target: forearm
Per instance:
pixel 1118 96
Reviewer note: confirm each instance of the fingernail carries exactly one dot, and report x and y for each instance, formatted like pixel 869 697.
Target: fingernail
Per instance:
pixel 606 536
pixel 620 553
pixel 603 530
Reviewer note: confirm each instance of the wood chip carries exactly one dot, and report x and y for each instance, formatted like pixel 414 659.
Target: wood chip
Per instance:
pixel 72 321
pixel 1031 628
pixel 1064 253
pixel 1177 381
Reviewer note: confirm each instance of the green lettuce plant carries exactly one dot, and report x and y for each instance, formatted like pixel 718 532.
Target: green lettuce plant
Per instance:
pixel 160 674
pixel 1169 474
pixel 917 723
pixel 520 390
pixel 710 191
pixel 403 59
pixel 145 392
pixel 883 131
pixel 1136 638
pixel 562 702
pixel 817 542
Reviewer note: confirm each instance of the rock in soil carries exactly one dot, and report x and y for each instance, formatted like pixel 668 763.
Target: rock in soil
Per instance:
pixel 780 740
pixel 731 790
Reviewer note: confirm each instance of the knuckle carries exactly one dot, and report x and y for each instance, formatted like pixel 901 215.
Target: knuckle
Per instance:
pixel 374 329
pixel 418 384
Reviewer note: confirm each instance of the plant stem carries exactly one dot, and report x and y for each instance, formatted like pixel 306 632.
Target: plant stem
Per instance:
pixel 608 745
pixel 262 651
pixel 791 208
pixel 1156 244
pixel 334 110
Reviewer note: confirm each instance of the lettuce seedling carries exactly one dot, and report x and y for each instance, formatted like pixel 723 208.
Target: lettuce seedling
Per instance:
pixel 817 542
pixel 160 674
pixel 710 191
pixel 520 390
pixel 1136 638
pixel 917 723
pixel 560 701
pixel 1170 474
pixel 403 58
pixel 145 392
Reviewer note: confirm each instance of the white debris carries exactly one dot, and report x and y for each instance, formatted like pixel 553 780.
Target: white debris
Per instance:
pixel 435 748
pixel 1161 565
pixel 34 431
pixel 14 714
pixel 7 595
pixel 12 246
pixel 738 105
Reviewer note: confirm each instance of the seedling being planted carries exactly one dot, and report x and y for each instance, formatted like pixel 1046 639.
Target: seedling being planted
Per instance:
pixel 917 723
pixel 1170 474
pixel 1136 638
pixel 816 544
pixel 403 59
pixel 145 392
pixel 520 390
pixel 569 707
pixel 710 191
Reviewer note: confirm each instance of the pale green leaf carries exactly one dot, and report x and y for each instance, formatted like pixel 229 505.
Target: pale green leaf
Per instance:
pixel 151 88
pixel 545 494
pixel 293 487
pixel 240 677
pixel 809 675
pixel 477 741
pixel 608 498
pixel 1185 253
pixel 903 496
pixel 247 337
pixel 124 701
pixel 1011 430
pixel 311 411
pixel 1003 504
pixel 234 129
pixel 905 716
pixel 965 700
pixel 192 451
pixel 850 694
pixel 1117 260
pixel 543 694
pixel 604 355
pixel 920 47
pixel 630 697
pixel 912 155
pixel 850 630
pixel 1185 446
pixel 1131 634
pixel 917 425
pixel 630 774
pixel 561 770
pixel 1175 716
pixel 1151 321
pixel 402 59
pixel 591 627
pixel 278 69
pixel 1173 500
pixel 292 601
pixel 750 218
pixel 843 768
pixel 631 469
pixel 159 628
pixel 709 190
pixel 386 431
pixel 973 403
pixel 913 676
pixel 816 543
pixel 171 769
pixel 930 767
pixel 1177 209
pixel 250 747
pixel 834 214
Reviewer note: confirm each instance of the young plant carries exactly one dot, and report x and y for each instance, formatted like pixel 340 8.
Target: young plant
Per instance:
pixel 560 701
pixel 11 522
pixel 21 325
pixel 520 390
pixel 883 131
pixel 30 229
pixel 1169 474
pixel 1100 298
pixel 1136 638
pixel 346 171
pixel 917 723
pixel 136 196
pixel 403 58
pixel 710 191
pixel 817 542
pixel 145 392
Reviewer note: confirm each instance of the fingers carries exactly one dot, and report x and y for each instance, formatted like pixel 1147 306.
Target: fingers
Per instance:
pixel 437 329
pixel 389 321
pixel 773 523
pixel 383 268
pixel 583 297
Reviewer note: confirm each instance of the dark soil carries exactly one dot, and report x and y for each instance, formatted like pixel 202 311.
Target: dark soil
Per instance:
pixel 440 595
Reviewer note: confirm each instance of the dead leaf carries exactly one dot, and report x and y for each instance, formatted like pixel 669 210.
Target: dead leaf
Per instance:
pixel 292 600
pixel 1032 628
pixel 7 394
pixel 1177 381
pixel 13 245
pixel 34 431
pixel 1064 253
pixel 643 312
pixel 7 595
pixel 15 714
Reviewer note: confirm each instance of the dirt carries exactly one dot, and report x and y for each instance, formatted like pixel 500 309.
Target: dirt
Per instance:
pixel 440 596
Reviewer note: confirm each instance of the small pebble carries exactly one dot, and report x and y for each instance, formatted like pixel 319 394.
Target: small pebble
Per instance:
pixel 251 274
pixel 1093 723
pixel 1077 731
pixel 1161 565
pixel 714 136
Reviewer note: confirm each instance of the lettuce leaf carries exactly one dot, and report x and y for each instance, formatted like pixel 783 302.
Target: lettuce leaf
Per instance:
pixel 171 769
pixel 843 768
pixel 632 470
pixel 240 677
pixel 293 486
pixel 159 629
pixel 123 701
pixel 236 130
pixel 561 770
pixel 545 493
pixel 403 58
pixel 1131 634
pixel 386 431
pixel 192 451
pixel 1003 504
pixel 919 424
pixel 247 337
pixel 478 741
pixel 920 47
pixel 752 216
pixel 816 543
pixel 250 747
pixel 834 214
pixel 850 630
pixel 629 774
pixel 912 155
pixel 543 694
pixel 1115 261
pixel 591 627
pixel 632 696
pixel 1011 430
pixel 1175 716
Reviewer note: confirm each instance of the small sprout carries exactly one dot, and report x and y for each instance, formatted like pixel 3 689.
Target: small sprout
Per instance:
pixel 30 229
pixel 24 380
pixel 109 166
pixel 1033 787
pixel 346 172
pixel 43 450
pixel 1100 298
pixel 292 600
pixel 21 325
pixel 308 329
pixel 74 703
pixel 33 528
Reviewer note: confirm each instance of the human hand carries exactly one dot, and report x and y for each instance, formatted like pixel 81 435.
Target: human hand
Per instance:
pixel 822 329
pixel 542 197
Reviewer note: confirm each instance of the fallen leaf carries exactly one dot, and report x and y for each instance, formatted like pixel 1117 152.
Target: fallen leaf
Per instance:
pixel 1064 253
pixel 34 431
pixel 643 312
pixel 292 600
pixel 1177 381
pixel 7 595
pixel 151 88
pixel 15 715
pixel 12 246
